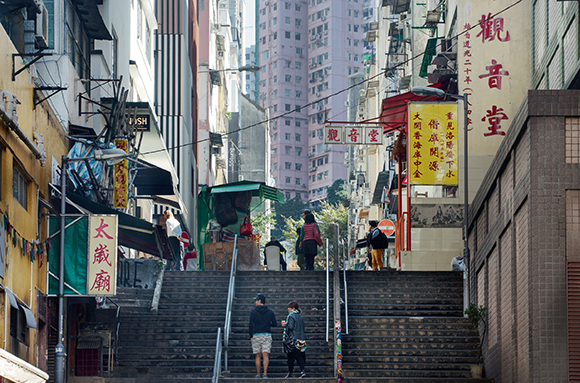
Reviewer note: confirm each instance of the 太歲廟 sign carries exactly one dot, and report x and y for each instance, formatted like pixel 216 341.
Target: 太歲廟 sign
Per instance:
pixel 432 143
pixel 102 254
pixel 353 134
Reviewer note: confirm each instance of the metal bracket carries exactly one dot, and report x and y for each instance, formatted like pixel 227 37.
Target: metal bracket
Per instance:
pixel 37 56
pixel 56 90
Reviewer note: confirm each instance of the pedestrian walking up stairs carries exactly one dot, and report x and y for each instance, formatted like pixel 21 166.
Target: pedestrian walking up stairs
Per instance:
pixel 308 288
pixel 407 326
pixel 179 341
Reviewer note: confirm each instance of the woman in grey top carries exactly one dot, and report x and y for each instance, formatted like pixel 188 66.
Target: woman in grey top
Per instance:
pixel 294 327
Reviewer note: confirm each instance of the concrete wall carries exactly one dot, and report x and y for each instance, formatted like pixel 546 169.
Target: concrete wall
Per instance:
pixel 518 238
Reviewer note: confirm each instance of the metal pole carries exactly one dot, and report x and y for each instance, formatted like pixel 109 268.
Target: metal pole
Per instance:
pixel 327 292
pixel 336 294
pixel 59 350
pixel 466 201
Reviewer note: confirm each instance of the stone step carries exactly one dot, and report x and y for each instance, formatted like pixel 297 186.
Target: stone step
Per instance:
pixel 404 373
pixel 466 351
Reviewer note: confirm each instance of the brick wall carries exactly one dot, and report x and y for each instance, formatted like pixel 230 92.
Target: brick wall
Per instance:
pixel 520 258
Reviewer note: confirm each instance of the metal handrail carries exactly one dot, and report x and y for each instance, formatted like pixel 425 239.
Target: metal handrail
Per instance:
pixel 345 286
pixel 231 293
pixel 217 361
pixel 327 292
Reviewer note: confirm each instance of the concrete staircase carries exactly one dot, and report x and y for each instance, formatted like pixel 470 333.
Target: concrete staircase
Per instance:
pixel 407 326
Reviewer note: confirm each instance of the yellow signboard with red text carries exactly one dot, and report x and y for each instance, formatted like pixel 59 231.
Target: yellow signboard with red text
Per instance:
pixel 102 262
pixel 121 178
pixel 432 143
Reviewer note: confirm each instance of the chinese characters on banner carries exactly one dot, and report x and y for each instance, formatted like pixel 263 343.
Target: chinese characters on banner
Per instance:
pixel 102 253
pixel 120 174
pixel 353 134
pixel 432 141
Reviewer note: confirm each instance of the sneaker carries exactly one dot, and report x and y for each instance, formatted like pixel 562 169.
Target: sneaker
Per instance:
pixel 264 376
pixel 289 375
pixel 302 374
pixel 257 376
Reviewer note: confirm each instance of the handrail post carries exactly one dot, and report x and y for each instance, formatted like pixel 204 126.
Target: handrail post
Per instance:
pixel 327 292
pixel 230 301
pixel 336 305
pixel 217 359
pixel 345 286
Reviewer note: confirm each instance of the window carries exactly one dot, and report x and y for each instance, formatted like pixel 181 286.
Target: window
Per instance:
pixel 77 41
pixel 287 123
pixel 275 6
pixel 356 13
pixel 288 78
pixel 265 55
pixel 320 161
pixel 275 151
pixel 319 176
pixel 287 20
pixel 20 188
pixel 275 35
pixel 288 180
pixel 297 123
pixel 356 57
pixel 298 153
pixel 298 79
pixel 275 166
pixel 319 148
pixel 275 181
pixel 298 181
pixel 287 193
pixel 275 79
pixel 287 107
pixel 288 136
pixel 275 107
pixel 313 163
pixel 299 51
pixel 287 34
pixel 297 36
pixel 326 159
pixel 298 21
pixel 297 9
pixel 356 27
pixel 297 137
pixel 298 196
pixel 18 327
pixel 275 137
pixel 287 92
pixel 298 65
pixel 275 20
pixel 288 5
pixel 275 65
pixel 313 177
pixel 275 93
pixel 326 174
pixel 288 149
pixel 288 165
pixel 313 148
pixel 298 166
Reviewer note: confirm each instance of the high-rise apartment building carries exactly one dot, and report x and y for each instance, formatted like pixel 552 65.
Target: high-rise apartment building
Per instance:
pixel 307 49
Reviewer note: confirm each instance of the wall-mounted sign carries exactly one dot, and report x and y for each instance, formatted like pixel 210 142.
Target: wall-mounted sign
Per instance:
pixel 353 134
pixel 102 254
pixel 432 143
pixel 141 122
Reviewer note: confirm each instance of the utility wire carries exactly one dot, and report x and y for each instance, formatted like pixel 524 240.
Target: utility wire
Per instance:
pixel 340 91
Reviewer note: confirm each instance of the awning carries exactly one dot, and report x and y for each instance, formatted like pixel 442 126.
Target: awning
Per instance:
pixel 19 371
pixel 430 51
pixel 152 180
pixel 394 111
pixel 258 189
pixel 382 181
pixel 11 297
pixel 30 322
pixel 134 232
pixel 89 14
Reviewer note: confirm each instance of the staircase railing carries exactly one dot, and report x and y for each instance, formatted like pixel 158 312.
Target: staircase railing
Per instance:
pixel 345 286
pixel 219 347
pixel 217 361
pixel 327 293
pixel 336 304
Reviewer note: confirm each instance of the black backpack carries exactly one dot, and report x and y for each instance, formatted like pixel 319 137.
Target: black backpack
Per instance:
pixel 380 241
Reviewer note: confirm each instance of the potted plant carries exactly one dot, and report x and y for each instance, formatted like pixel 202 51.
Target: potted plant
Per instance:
pixel 476 316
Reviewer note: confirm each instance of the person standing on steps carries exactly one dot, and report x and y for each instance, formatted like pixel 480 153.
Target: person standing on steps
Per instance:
pixel 262 318
pixel 174 234
pixel 298 250
pixel 377 242
pixel 308 242
pixel 294 329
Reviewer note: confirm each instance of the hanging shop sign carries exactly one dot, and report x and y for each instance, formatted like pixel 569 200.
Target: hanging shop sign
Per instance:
pixel 353 134
pixel 121 176
pixel 102 255
pixel 433 158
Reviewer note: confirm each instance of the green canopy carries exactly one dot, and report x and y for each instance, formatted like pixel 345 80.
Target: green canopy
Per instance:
pixel 206 207
pixel 430 51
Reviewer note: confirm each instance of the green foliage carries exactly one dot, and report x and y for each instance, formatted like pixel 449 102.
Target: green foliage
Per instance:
pixel 261 222
pixel 476 314
pixel 291 209
pixel 337 192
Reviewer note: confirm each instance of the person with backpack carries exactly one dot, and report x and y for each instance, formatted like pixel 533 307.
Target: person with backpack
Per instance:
pixel 377 242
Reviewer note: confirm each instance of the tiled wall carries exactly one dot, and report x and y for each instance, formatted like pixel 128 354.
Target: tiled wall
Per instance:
pixel 530 204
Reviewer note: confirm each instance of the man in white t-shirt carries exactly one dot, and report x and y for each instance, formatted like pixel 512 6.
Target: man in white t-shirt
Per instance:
pixel 174 234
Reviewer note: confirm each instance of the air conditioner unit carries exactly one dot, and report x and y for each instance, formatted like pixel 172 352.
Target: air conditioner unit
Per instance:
pixel 41 33
pixel 326 32
pixel 312 38
pixel 317 94
pixel 267 3
pixel 312 169
pixel 301 56
pixel 323 18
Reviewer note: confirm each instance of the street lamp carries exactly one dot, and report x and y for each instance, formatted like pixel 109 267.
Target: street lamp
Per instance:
pixel 99 155
pixel 439 93
pixel 245 68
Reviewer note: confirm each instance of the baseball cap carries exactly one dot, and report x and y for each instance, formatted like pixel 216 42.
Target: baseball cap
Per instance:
pixel 260 297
